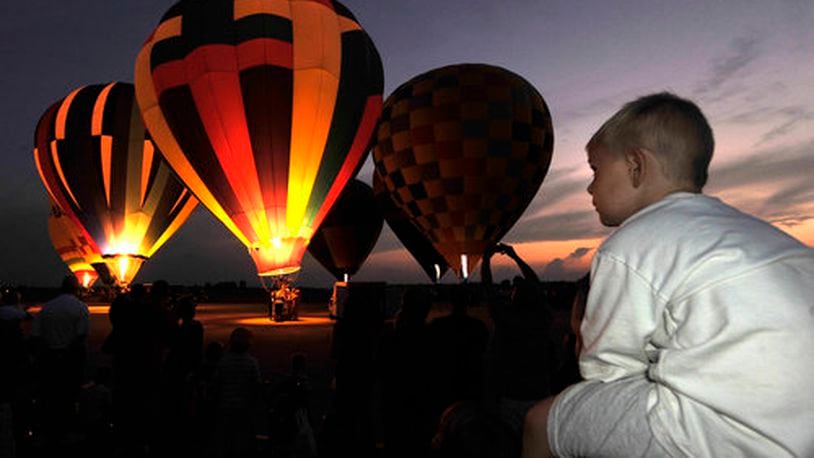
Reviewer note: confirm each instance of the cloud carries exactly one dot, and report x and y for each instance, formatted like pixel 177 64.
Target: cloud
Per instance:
pixel 791 221
pixel 766 165
pixel 555 269
pixel 741 52
pixel 792 116
pixel 772 183
pixel 579 224
pixel 554 192
pixel 569 268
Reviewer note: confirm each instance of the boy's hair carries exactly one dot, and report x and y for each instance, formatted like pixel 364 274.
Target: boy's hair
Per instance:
pixel 670 127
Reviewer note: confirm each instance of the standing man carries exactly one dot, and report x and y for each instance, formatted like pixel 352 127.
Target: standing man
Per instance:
pixel 61 328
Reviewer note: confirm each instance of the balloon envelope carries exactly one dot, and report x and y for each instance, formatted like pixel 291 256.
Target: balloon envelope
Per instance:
pixel 76 251
pixel 462 150
pixel 264 109
pixel 410 236
pixel 102 170
pixel 349 232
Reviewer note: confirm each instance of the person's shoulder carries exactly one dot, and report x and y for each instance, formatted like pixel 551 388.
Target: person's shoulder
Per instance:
pixel 695 221
pixel 696 239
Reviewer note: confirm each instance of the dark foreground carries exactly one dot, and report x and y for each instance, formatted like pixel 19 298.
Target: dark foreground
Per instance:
pixel 273 345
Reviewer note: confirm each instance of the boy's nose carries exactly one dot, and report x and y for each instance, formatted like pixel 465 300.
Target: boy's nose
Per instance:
pixel 590 188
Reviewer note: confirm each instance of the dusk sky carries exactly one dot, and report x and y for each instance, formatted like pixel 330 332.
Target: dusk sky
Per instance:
pixel 748 64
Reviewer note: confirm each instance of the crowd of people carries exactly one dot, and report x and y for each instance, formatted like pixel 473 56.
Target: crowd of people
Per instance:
pixel 397 386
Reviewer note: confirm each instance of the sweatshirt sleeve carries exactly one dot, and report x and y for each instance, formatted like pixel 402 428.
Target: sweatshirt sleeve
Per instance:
pixel 620 318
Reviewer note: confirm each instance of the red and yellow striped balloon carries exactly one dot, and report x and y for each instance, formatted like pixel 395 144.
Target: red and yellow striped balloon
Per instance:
pixel 102 170
pixel 75 250
pixel 264 108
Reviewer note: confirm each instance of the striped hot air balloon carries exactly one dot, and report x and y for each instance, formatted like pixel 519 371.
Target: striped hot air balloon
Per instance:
pixel 264 108
pixel 76 251
pixel 462 150
pixel 102 170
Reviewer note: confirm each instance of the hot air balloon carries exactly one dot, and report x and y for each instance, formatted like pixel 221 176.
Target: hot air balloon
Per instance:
pixel 77 252
pixel 102 170
pixel 264 108
pixel 411 237
pixel 462 150
pixel 349 231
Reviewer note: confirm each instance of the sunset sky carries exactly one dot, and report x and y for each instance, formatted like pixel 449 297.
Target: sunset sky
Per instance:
pixel 748 64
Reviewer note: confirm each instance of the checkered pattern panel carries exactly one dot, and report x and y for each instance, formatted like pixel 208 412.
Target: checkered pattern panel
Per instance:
pixel 463 150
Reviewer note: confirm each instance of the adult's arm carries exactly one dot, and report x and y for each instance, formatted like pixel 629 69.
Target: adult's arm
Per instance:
pixel 525 269
pixel 486 267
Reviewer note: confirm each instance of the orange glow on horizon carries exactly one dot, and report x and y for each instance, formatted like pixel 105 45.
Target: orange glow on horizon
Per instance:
pixel 803 231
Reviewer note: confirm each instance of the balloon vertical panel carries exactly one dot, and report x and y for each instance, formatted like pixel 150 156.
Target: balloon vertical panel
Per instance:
pixel 72 246
pixel 264 108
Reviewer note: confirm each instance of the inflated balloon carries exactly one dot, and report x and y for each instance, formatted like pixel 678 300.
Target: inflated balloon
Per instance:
pixel 416 243
pixel 264 108
pixel 462 150
pixel 102 170
pixel 349 232
pixel 76 251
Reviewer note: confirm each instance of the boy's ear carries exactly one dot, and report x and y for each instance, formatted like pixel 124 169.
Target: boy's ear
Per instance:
pixel 636 161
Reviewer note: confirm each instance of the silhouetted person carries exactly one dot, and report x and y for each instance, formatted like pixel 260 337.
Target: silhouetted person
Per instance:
pixel 139 337
pixel 14 369
pixel 186 347
pixel 183 361
pixel 205 405
pixel 61 328
pixel 355 340
pixel 404 359
pixel 236 391
pixel 96 413
pixel 292 434
pixel 521 354
pixel 458 342
pixel 567 372
pixel 468 430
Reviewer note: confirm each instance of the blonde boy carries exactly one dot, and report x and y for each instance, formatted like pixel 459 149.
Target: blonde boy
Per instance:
pixel 698 334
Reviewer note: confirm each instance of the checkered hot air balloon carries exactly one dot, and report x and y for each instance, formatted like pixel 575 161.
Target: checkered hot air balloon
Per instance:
pixel 462 150
pixel 76 251
pixel 102 170
pixel 264 108
pixel 349 232
pixel 410 236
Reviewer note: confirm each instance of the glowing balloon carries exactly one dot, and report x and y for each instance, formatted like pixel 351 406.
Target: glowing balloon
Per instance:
pixel 462 150
pixel 76 251
pixel 349 232
pixel 102 170
pixel 264 108
pixel 411 237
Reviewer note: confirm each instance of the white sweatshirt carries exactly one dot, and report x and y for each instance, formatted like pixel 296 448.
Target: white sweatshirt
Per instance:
pixel 716 308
